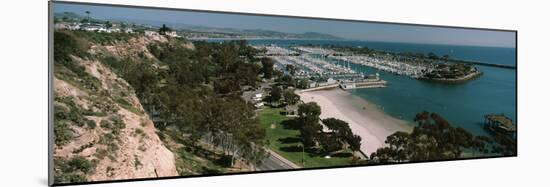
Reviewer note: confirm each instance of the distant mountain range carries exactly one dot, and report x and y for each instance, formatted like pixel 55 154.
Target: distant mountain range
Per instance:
pixel 244 33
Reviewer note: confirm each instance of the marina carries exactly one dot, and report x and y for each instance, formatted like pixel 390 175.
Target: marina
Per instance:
pixel 470 101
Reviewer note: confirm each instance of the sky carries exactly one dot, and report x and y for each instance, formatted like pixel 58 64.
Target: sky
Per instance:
pixel 345 29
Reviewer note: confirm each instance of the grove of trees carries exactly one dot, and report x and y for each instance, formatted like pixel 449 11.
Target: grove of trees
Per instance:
pixel 196 91
pixel 434 138
pixel 338 137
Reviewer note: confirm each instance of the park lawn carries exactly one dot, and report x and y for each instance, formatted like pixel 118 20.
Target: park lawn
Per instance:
pixel 290 147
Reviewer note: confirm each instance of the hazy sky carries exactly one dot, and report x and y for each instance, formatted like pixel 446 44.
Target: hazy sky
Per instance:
pixel 344 29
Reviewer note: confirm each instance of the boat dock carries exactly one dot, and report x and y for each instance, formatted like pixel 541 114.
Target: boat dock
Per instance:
pixel 363 84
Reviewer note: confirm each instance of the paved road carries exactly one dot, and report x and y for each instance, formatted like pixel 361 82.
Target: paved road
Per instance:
pixel 274 163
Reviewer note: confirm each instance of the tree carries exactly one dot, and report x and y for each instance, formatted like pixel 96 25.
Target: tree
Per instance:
pixel 291 97
pixel 248 73
pixel 343 133
pixel 303 84
pixel 164 29
pixel 354 142
pixel 275 94
pixel 432 139
pixel 277 73
pixel 267 67
pixel 329 143
pixel 291 69
pixel 108 24
pixel 287 80
pixel 445 58
pixel 88 13
pixel 309 120
pixel 309 112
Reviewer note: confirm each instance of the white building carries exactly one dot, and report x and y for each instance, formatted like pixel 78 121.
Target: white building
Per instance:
pixel 171 34
pixel 151 33
pixel 111 30
pixel 313 84
pixel 93 27
pixel 258 105
pixel 58 26
pixel 257 97
pixel 331 81
pixel 128 30
pixel 73 26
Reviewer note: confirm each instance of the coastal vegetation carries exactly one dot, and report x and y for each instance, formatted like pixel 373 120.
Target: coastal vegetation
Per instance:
pixel 451 73
pixel 434 138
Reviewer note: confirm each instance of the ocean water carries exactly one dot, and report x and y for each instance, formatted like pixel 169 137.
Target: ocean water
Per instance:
pixel 462 105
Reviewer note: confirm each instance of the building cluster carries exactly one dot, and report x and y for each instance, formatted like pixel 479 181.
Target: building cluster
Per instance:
pixel 94 27
pixel 256 96
pixel 111 28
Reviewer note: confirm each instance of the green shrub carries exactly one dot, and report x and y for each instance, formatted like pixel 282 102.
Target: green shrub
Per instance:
pixel 62 133
pixel 79 163
pixel 126 105
pixel 91 124
pixel 105 124
pixel 137 163
pixel 66 44
pixel 139 131
pixel 81 148
pixel 72 170
pixel 69 177
pixel 117 124
pixel 101 153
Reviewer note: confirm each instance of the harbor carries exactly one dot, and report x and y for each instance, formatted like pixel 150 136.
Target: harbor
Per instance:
pixel 311 64
pixel 464 109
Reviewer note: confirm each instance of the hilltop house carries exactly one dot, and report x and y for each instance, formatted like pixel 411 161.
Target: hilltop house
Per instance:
pixel 93 27
pixel 128 30
pixel 151 33
pixel 73 26
pixel 172 34
pixel 58 26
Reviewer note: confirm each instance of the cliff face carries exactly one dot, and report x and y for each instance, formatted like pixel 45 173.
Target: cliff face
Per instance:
pixel 101 129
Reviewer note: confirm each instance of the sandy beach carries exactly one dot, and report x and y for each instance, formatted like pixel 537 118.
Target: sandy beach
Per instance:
pixel 364 118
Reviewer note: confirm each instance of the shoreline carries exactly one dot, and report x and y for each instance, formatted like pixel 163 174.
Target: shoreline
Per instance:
pixel 364 118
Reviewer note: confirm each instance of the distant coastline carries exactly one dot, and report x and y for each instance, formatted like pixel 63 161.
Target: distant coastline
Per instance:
pixel 258 38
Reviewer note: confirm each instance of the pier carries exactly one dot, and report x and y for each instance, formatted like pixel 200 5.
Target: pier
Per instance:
pixel 484 64
pixel 363 84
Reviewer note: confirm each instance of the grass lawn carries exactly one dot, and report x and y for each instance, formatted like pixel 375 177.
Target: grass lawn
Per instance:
pixel 287 143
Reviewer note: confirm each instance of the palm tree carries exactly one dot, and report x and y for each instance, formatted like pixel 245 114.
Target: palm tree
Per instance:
pixel 88 13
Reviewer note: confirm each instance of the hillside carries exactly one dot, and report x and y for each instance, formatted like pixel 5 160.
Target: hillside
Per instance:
pixel 102 131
